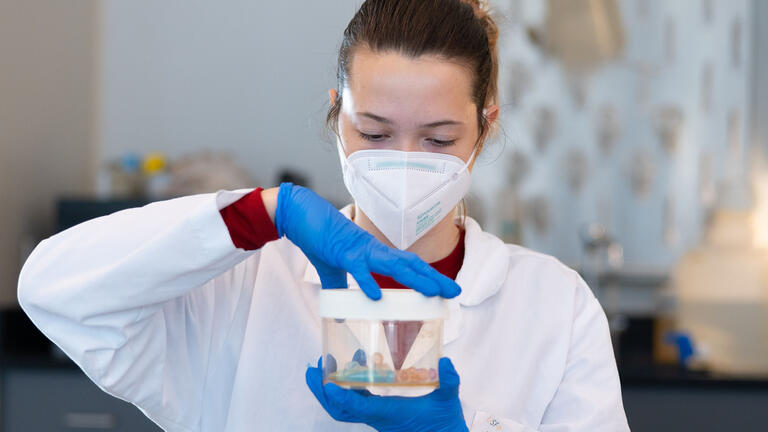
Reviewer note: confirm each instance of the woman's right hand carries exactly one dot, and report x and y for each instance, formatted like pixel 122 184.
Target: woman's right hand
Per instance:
pixel 335 246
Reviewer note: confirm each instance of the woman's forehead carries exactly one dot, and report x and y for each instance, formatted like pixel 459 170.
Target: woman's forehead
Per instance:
pixel 392 85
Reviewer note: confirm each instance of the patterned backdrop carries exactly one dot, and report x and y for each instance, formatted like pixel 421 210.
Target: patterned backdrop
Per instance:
pixel 641 143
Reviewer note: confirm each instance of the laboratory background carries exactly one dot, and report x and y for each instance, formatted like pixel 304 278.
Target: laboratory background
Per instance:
pixel 632 146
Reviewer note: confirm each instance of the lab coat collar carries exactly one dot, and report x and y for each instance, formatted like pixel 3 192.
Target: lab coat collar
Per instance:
pixel 483 272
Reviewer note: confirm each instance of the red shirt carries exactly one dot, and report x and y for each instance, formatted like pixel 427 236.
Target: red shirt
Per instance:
pixel 250 228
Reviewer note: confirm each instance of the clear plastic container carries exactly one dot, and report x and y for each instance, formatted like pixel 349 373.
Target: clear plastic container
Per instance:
pixel 391 346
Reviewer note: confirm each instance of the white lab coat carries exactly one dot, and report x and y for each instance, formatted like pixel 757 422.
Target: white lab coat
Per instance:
pixel 159 308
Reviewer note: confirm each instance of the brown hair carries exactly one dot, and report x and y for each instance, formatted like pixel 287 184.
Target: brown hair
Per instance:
pixel 458 30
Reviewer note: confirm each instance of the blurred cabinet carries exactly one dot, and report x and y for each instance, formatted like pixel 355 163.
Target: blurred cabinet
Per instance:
pixel 669 404
pixel 64 400
pixel 41 391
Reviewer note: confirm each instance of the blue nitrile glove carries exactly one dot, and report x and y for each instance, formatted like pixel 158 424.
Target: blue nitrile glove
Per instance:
pixel 439 411
pixel 335 246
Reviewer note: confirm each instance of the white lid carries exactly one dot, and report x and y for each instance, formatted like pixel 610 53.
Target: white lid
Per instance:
pixel 395 304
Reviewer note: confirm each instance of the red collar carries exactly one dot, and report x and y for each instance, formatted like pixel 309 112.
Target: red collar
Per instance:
pixel 448 266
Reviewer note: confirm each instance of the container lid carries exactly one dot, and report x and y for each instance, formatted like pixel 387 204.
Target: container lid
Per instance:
pixel 395 304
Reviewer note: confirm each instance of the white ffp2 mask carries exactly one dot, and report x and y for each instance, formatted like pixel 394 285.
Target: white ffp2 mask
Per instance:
pixel 404 193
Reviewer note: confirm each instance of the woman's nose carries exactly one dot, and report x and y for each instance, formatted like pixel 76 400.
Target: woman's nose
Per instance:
pixel 409 145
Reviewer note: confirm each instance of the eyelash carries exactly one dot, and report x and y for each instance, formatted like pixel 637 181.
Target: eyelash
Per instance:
pixel 377 138
pixel 371 137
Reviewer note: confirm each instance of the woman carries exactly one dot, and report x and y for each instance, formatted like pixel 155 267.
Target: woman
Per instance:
pixel 202 311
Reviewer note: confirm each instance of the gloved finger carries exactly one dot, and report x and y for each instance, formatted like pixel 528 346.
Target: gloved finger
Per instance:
pixel 363 392
pixel 397 264
pixel 417 282
pixel 448 288
pixel 354 405
pixel 367 283
pixel 449 380
pixel 314 378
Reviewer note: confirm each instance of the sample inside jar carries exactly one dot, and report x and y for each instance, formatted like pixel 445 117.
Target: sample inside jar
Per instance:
pixel 380 345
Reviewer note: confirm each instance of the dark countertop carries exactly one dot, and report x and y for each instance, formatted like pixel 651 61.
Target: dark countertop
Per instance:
pixel 675 376
pixel 41 362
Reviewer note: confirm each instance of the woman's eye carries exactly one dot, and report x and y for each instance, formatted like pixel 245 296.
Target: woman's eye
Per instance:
pixel 441 143
pixel 372 137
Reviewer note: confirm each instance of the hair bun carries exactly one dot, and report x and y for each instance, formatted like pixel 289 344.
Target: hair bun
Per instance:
pixel 482 12
pixel 481 7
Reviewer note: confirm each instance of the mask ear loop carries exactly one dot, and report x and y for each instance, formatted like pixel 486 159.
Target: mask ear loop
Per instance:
pixel 342 155
pixel 474 150
pixel 466 164
pixel 340 146
pixel 471 157
pixel 480 142
pixel 460 211
pixel 345 166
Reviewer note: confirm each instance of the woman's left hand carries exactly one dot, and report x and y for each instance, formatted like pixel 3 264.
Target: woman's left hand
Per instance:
pixel 335 246
pixel 439 411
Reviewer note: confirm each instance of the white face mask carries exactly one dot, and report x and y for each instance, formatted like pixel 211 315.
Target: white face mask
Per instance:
pixel 403 193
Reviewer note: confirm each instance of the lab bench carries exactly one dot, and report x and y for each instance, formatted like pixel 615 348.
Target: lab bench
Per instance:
pixel 61 398
pixel 43 392
pixel 668 398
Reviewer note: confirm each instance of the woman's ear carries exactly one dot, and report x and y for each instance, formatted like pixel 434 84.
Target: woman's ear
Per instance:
pixel 332 94
pixel 491 113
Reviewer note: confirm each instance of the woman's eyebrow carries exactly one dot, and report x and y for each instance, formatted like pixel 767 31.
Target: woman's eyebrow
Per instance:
pixel 375 117
pixel 441 123
pixel 385 120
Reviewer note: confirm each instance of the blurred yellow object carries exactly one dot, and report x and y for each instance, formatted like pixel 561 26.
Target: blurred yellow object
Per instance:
pixel 154 163
pixel 722 292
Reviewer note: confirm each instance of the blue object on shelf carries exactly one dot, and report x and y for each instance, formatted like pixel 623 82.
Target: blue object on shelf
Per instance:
pixel 684 343
pixel 130 163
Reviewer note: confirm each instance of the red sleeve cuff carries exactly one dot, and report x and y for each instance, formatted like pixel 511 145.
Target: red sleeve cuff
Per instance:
pixel 248 222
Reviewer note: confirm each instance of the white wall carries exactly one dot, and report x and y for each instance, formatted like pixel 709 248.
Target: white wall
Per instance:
pixel 243 76
pixel 46 64
pixel 759 88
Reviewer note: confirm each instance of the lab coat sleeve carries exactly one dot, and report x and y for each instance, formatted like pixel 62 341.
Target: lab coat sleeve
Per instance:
pixel 588 398
pixel 145 300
